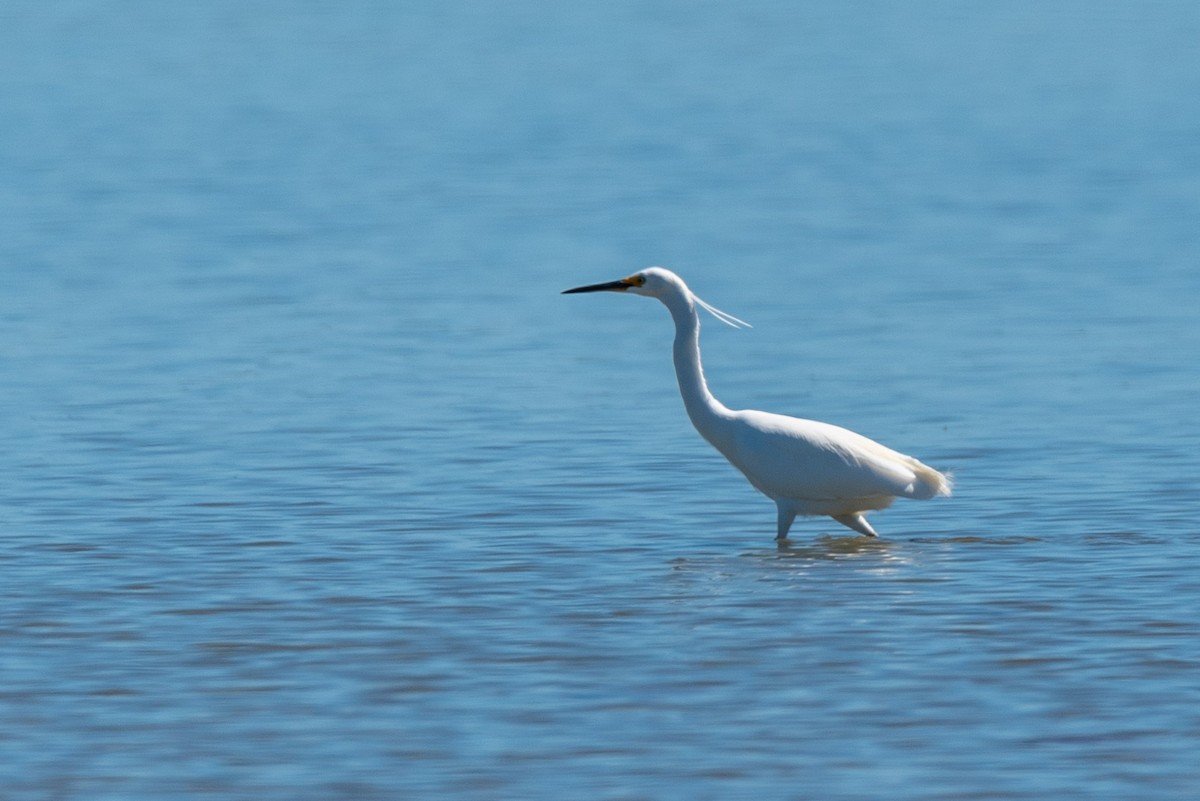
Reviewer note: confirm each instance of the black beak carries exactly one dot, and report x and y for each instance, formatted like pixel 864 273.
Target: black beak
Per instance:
pixel 610 286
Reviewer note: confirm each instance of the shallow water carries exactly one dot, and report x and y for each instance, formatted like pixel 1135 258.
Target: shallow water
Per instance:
pixel 316 488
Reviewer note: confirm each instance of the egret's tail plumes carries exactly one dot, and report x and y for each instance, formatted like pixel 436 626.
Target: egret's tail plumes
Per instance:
pixel 724 317
pixel 930 483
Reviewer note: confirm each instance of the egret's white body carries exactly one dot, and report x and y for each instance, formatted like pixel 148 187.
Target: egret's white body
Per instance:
pixel 806 467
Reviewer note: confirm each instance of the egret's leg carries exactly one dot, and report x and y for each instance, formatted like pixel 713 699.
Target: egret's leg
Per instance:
pixel 786 516
pixel 857 522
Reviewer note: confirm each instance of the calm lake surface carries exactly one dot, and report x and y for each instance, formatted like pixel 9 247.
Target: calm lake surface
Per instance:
pixel 314 487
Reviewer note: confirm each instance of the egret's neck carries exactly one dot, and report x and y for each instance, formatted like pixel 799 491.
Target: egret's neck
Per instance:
pixel 705 411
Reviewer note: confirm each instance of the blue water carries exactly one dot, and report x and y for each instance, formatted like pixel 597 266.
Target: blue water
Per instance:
pixel 315 487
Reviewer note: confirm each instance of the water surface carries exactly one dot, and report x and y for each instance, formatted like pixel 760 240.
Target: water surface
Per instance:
pixel 316 488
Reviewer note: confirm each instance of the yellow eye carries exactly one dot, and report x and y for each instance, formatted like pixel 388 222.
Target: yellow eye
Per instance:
pixel 637 280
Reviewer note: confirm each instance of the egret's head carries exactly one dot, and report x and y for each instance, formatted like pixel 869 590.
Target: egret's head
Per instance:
pixel 656 282
pixel 652 281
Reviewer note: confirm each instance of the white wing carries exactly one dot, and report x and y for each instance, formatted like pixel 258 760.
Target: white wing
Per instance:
pixel 787 457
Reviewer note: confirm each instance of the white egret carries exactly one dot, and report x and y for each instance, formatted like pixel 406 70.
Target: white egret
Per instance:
pixel 806 467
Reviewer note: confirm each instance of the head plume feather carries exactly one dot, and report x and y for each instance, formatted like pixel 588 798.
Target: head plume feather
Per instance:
pixel 724 317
